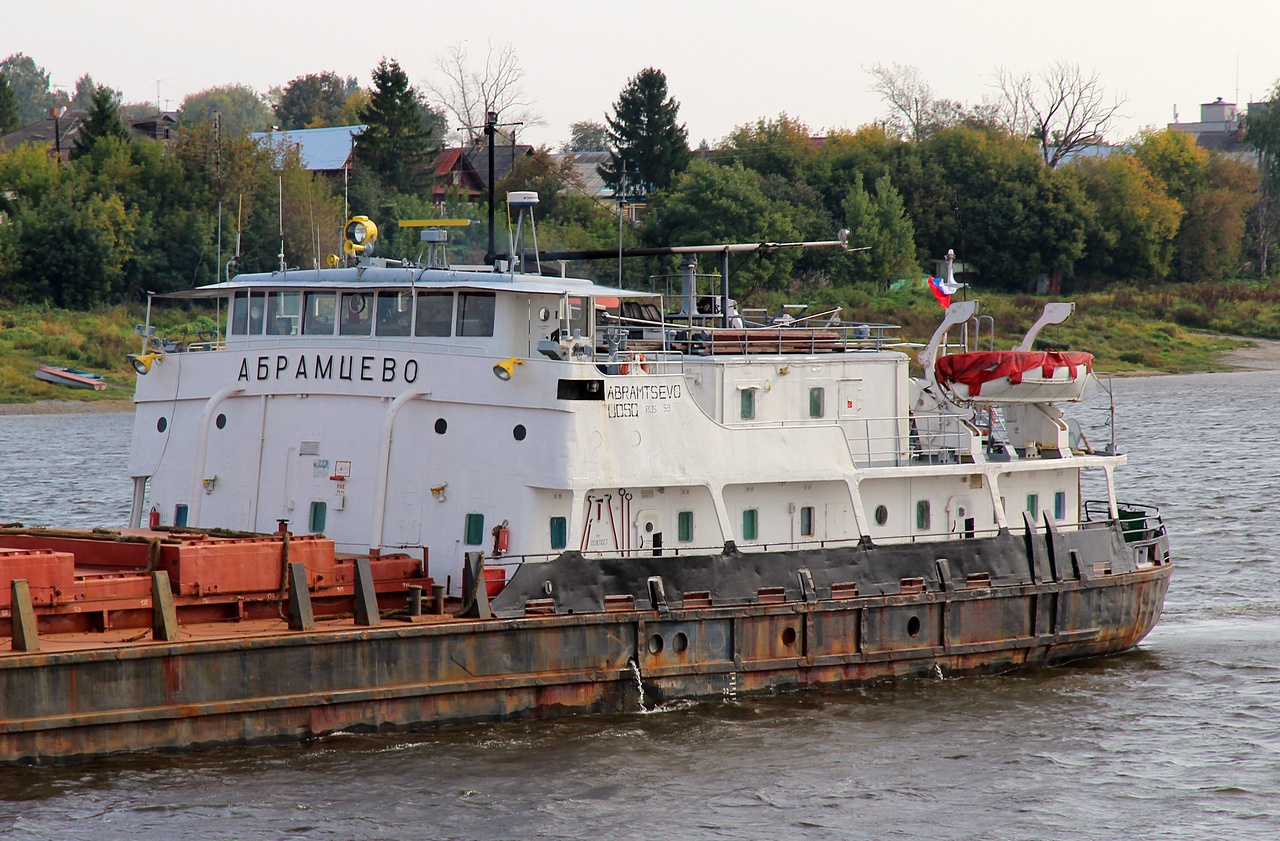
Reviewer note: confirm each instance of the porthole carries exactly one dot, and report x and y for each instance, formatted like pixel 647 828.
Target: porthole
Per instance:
pixel 882 515
pixel 655 644
pixel 679 643
pixel 441 426
pixel 519 432
pixel 544 314
pixel 913 626
pixel 221 421
pixel 162 425
pixel 788 636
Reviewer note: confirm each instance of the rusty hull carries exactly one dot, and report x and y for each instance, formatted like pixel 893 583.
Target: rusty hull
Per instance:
pixel 256 681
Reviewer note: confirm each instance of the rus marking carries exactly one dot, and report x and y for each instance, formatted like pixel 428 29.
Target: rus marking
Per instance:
pixel 321 367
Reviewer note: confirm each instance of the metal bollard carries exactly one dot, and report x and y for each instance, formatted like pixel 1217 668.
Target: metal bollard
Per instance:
pixel 415 599
pixel 437 599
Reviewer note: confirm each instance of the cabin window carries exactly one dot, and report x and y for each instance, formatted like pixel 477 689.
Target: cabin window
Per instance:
pixel 559 532
pixel 806 521
pixel 684 526
pixel 357 314
pixel 1060 505
pixel 475 313
pixel 924 517
pixel 817 403
pixel 750 524
pixel 247 313
pixel 394 310
pixel 474 530
pixel 882 515
pixel 435 314
pixel 317 516
pixel 284 311
pixel 579 310
pixel 747 407
pixel 1033 506
pixel 317 317
pixel 180 514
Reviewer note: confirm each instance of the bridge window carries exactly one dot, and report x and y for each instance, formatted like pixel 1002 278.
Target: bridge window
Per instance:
pixel 247 312
pixel 357 314
pixel 284 311
pixel 317 318
pixel 435 314
pixel 394 311
pixel 475 313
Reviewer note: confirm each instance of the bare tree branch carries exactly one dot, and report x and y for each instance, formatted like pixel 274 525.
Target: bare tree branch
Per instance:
pixel 468 93
pixel 1064 109
pixel 918 113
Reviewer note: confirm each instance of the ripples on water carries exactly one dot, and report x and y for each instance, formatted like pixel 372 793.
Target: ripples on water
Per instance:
pixel 1179 739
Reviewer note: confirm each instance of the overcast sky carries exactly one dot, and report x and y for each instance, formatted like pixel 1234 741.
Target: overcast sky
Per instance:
pixel 727 63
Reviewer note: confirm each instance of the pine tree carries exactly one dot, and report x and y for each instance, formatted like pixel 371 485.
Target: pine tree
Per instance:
pixel 103 121
pixel 397 141
pixel 647 146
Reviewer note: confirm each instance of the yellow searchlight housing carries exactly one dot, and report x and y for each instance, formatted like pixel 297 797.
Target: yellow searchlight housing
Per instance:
pixel 359 236
pixel 506 368
pixel 142 362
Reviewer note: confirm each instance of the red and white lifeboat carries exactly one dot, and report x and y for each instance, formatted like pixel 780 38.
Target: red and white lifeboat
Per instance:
pixel 1015 376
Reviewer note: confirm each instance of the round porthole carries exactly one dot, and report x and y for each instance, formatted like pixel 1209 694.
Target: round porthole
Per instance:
pixel 913 626
pixel 882 515
pixel 679 643
pixel 221 421
pixel 544 314
pixel 519 432
pixel 441 426
pixel 162 425
pixel 655 644
pixel 788 636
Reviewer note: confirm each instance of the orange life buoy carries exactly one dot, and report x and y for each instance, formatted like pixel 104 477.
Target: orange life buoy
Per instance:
pixel 638 358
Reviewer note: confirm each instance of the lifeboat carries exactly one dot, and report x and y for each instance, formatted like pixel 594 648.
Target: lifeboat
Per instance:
pixel 1016 376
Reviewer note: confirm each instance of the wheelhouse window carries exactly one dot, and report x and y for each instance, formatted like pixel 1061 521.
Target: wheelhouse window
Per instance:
pixel 357 314
pixel 435 314
pixel 394 311
pixel 247 313
pixel 284 312
pixel 317 316
pixel 475 313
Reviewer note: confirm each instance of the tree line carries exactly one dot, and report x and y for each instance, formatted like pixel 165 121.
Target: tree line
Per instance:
pixel 1015 186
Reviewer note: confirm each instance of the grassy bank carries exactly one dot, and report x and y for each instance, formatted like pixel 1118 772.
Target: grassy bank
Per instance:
pixel 1173 330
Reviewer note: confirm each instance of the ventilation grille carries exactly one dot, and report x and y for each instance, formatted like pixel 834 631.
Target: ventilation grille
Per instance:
pixel 309 448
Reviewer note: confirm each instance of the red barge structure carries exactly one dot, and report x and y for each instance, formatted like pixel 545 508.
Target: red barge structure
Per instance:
pixel 684 505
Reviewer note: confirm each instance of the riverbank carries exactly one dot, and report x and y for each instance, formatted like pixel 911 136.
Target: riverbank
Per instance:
pixel 67 407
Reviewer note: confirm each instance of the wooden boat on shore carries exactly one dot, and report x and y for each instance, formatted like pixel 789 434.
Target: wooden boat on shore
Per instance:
pixel 70 377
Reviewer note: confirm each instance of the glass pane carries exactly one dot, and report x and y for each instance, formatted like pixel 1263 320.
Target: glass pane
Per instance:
pixel 240 314
pixel 435 313
pixel 1060 505
pixel 357 314
pixel 475 313
pixel 317 319
pixel 284 311
pixel 559 532
pixel 394 309
pixel 748 403
pixel 806 521
pixel 815 402
pixel 475 529
pixel 923 515
pixel 684 526
pixel 750 524
pixel 1033 505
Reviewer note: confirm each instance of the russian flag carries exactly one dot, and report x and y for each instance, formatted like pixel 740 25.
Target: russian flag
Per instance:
pixel 938 287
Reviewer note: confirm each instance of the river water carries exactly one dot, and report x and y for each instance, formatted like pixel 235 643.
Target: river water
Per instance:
pixel 1179 739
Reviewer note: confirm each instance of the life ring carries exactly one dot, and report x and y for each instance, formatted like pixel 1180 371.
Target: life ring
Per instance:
pixel 636 359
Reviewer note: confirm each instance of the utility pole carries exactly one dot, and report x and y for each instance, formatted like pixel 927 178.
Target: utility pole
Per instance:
pixel 490 129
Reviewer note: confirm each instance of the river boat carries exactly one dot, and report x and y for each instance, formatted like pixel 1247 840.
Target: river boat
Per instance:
pixel 70 377
pixel 396 494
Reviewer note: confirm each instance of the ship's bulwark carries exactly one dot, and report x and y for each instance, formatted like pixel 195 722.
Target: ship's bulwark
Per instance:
pixel 991 605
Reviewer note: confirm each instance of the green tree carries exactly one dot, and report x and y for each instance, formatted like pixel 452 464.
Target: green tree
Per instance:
pixel 240 107
pixel 1133 220
pixel 1262 132
pixel 313 101
pixel 881 223
pixel 29 83
pixel 103 121
pixel 586 136
pixel 647 146
pixel 714 205
pixel 9 119
pixel 396 143
pixel 82 99
pixel 771 147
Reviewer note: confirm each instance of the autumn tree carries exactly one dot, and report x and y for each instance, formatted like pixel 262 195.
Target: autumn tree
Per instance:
pixel 1134 222
pixel 8 107
pixel 586 136
pixel 1262 132
pixel 647 146
pixel 313 101
pixel 396 143
pixel 103 121
pixel 780 146
pixel 1063 108
pixel 239 107
pixel 29 83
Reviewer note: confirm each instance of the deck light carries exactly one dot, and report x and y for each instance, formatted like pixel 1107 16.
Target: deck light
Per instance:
pixel 359 235
pixel 141 362
pixel 504 369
